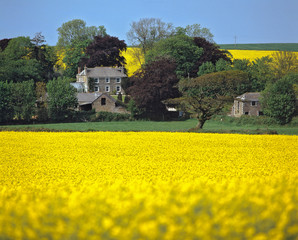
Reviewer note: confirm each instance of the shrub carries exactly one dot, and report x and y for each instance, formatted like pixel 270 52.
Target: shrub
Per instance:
pixel 108 117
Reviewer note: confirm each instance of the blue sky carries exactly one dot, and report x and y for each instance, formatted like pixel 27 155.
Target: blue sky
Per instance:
pixel 251 21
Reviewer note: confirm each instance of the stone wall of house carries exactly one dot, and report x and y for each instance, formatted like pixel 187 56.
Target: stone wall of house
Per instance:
pixel 113 85
pixel 251 108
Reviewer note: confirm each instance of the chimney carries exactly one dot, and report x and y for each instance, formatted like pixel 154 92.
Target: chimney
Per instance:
pixel 79 70
pixel 85 69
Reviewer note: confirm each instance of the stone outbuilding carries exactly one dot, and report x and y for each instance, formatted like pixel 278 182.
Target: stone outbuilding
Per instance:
pixel 99 102
pixel 247 104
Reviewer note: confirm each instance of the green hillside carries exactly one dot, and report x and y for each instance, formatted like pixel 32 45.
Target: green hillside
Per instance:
pixel 262 46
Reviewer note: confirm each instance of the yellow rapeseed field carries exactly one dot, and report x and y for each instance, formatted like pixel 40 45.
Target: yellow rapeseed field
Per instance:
pixel 133 185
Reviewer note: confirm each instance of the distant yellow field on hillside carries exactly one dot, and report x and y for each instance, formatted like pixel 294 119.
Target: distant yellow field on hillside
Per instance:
pixel 251 54
pixel 134 64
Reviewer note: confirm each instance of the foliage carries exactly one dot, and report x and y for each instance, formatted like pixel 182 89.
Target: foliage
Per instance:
pixel 211 53
pixel 284 62
pixel 261 73
pixel 24 98
pixel 38 39
pixel 6 104
pixel 150 185
pixel 61 98
pixel 41 96
pixel 73 55
pixel 279 101
pixel 3 43
pixel 77 31
pixel 109 116
pixel 205 68
pixel 195 30
pixel 104 51
pixel 153 84
pixel 205 96
pixel 22 61
pixel 148 31
pixel 181 48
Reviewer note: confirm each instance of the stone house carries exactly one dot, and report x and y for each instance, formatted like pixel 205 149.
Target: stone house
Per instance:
pixel 99 102
pixel 247 104
pixel 101 79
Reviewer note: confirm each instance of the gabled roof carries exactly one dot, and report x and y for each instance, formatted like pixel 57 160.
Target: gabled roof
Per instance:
pixel 102 72
pixel 88 98
pixel 78 85
pixel 250 96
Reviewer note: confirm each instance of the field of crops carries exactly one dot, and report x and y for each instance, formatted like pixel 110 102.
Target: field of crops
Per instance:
pixel 133 185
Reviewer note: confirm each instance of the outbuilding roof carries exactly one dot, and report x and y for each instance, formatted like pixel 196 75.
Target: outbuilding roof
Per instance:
pixel 88 98
pixel 250 96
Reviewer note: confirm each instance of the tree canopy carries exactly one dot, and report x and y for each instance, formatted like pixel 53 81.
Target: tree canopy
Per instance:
pixel 147 31
pixel 104 51
pixel 205 96
pixel 76 30
pixel 181 48
pixel 279 100
pixel 153 84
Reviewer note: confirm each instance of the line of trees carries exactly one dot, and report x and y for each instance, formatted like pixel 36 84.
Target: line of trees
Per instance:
pixel 183 68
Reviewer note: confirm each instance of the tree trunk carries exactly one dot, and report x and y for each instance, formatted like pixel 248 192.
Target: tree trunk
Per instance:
pixel 200 123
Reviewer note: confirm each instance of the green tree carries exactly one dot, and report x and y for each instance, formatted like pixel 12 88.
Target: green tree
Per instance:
pixel 24 98
pixel 261 73
pixel 222 65
pixel 206 68
pixel 284 62
pixel 148 31
pixel 195 30
pixel 23 61
pixel 73 55
pixel 61 99
pixel 279 101
pixel 6 104
pixel 76 31
pixel 206 95
pixel 181 48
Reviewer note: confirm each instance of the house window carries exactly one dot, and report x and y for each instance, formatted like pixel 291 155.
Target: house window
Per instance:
pixel 107 88
pixel 261 113
pixel 253 103
pixel 118 88
pixel 107 80
pixel 103 101
pixel 96 89
pixel 246 113
pixel 118 80
pixel 96 80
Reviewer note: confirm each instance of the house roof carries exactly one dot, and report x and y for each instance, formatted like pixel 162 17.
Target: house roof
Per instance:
pixel 88 98
pixel 250 96
pixel 101 72
pixel 78 85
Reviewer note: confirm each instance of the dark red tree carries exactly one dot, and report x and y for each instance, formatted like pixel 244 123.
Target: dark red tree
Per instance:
pixel 3 43
pixel 211 53
pixel 104 52
pixel 154 83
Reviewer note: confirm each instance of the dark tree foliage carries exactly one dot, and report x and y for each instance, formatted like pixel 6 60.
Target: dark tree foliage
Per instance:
pixel 3 43
pixel 211 53
pixel 6 104
pixel 154 84
pixel 104 51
